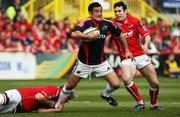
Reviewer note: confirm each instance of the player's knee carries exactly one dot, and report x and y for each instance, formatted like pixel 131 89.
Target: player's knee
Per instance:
pixel 155 84
pixel 115 85
pixel 127 81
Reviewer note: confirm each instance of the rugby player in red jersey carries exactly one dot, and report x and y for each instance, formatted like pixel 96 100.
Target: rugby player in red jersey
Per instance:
pixel 131 28
pixel 38 98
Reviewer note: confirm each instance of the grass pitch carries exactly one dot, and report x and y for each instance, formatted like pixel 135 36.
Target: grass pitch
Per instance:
pixel 87 102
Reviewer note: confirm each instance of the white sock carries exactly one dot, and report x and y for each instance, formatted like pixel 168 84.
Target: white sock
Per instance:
pixel 141 102
pixel 108 90
pixel 2 98
pixel 62 96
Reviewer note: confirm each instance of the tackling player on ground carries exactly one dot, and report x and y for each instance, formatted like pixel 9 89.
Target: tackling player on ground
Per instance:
pixel 38 98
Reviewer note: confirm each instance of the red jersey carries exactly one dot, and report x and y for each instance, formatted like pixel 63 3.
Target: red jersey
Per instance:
pixel 29 103
pixel 131 28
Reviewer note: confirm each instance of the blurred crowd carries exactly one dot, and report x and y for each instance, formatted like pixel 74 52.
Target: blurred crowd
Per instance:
pixel 165 36
pixel 45 35
pixel 41 36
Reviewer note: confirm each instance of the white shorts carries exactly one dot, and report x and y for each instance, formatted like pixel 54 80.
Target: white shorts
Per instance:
pixel 138 62
pixel 84 71
pixel 14 99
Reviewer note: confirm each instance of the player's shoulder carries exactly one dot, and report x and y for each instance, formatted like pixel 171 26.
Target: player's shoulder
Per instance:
pixel 114 20
pixel 87 19
pixel 133 19
pixel 82 22
pixel 107 20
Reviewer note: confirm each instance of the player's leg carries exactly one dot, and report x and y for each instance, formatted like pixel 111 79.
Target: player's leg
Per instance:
pixel 11 101
pixel 113 84
pixel 80 71
pixel 110 76
pixel 3 99
pixel 128 71
pixel 150 74
pixel 66 91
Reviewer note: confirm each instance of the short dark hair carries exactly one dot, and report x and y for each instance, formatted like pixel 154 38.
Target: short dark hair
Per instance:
pixel 119 4
pixel 92 5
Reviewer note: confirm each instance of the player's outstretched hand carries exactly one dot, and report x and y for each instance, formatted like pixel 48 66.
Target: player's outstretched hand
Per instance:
pixel 145 49
pixel 128 54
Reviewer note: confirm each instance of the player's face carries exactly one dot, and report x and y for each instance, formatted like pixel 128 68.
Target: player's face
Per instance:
pixel 96 13
pixel 120 13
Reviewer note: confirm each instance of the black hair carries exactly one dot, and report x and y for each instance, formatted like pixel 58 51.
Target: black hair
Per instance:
pixel 119 4
pixel 92 5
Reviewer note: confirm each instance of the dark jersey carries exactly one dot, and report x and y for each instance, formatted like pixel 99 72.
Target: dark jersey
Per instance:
pixel 92 52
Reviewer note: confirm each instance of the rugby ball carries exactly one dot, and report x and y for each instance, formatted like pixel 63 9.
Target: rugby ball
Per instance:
pixel 90 30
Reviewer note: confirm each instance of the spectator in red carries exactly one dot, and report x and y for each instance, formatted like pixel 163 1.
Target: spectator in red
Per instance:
pixel 46 45
pixel 67 26
pixel 176 45
pixel 13 43
pixel 160 24
pixel 71 44
pixel 2 41
pixel 21 21
pixel 8 30
pixel 40 30
pixel 62 30
pixel 3 18
pixel 3 15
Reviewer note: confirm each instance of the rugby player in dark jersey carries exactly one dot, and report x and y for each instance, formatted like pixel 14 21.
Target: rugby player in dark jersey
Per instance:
pixel 91 57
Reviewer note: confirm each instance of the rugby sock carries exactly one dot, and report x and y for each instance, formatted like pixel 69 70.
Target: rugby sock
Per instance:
pixel 3 99
pixel 133 90
pixel 63 96
pixel 153 93
pixel 108 90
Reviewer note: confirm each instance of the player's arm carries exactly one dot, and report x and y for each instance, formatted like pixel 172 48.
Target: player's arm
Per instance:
pixel 42 99
pixel 79 35
pixel 128 54
pixel 107 49
pixel 147 40
pixel 144 33
pixel 44 110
